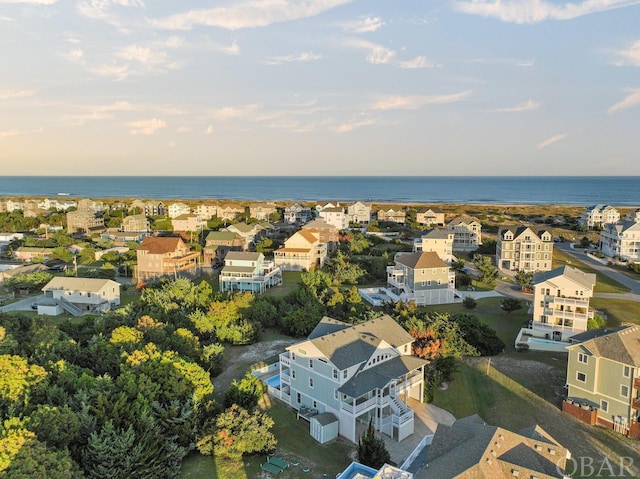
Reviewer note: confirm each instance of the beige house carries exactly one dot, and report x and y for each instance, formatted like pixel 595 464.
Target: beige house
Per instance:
pixel 188 222
pixel 422 277
pixel 598 216
pixel 263 211
pixel 218 244
pixel 154 208
pixel 229 212
pixel 78 296
pixel 561 302
pixel 327 233
pixel 391 215
pixel 249 233
pixel 302 251
pixel 160 257
pixel 85 222
pixel 28 253
pixel 603 379
pixel 633 215
pixel 206 212
pixel 467 233
pixel 520 248
pixel 359 212
pixel 135 224
pixel 430 217
pixel 621 239
pixel 438 241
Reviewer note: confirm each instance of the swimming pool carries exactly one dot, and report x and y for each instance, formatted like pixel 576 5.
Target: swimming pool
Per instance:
pixel 273 381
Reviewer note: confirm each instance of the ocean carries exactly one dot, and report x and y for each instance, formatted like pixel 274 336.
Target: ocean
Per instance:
pixel 516 190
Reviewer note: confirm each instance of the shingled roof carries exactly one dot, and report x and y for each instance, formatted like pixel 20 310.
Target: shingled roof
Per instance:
pixel 160 244
pixel 586 280
pixel 621 345
pixel 421 260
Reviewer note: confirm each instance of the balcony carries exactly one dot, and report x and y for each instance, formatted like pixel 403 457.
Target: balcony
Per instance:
pixel 359 406
pixel 635 404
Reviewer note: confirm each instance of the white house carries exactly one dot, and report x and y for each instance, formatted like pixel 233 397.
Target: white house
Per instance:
pixel 178 209
pixel 621 239
pixel 359 212
pixel 598 216
pixel 78 296
pixel 245 271
pixel 335 216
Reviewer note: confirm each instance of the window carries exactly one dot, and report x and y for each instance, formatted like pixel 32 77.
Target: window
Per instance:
pixel 345 374
pixel 335 374
pixel 293 356
pixel 604 405
pixel 583 358
pixel 311 382
pixel 406 346
pixel 298 398
pixel 582 377
pixel 624 391
pixel 310 363
pixel 293 374
pixel 626 372
pixel 335 394
pixel 315 404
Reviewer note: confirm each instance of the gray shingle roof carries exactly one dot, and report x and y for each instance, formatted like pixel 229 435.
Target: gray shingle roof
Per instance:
pixel 91 285
pixel 421 260
pixel 621 345
pixel 242 256
pixel 586 280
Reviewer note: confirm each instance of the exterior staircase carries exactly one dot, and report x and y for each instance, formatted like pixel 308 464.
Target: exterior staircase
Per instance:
pixel 69 307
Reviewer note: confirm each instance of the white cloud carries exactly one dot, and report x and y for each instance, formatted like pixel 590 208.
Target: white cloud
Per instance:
pixel 631 56
pixel 32 2
pixel 300 57
pixel 249 14
pixel 414 102
pixel 145 127
pixel 75 56
pixel 352 125
pixel 535 11
pixel 209 129
pixel 8 133
pixel 378 54
pixel 144 55
pixel 630 101
pixel 363 25
pixel 233 112
pixel 417 62
pixel 10 94
pixel 183 129
pixel 524 106
pixel 6 19
pixel 100 112
pixel 552 140
pixel 232 49
pixel 117 72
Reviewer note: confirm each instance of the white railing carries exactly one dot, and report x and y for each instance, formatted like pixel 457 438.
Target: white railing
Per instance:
pixel 358 408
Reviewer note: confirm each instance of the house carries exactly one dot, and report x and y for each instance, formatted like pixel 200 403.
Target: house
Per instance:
pixel 229 212
pixel 160 257
pixel 121 238
pixel 78 296
pixel 633 215
pixel 154 208
pixel 467 233
pixel 135 223
pixel 263 211
pixel 328 233
pixel 13 205
pixel 356 374
pixel 430 217
pixel 422 277
pixel 178 209
pixel 439 241
pixel 603 380
pixel 244 271
pixel 87 204
pixel 359 212
pixel 84 222
pixel 137 207
pixel 187 222
pixel 561 302
pixel 249 233
pixel 335 216
pixel 302 251
pixel 29 253
pixel 218 244
pixel 621 239
pixel 206 212
pixel 297 214
pixel 472 449
pixel 393 216
pixel 519 248
pixel 597 216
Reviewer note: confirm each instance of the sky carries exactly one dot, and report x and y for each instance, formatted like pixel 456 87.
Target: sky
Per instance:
pixel 320 87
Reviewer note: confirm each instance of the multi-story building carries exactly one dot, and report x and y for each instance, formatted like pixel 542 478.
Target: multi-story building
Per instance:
pixel 78 296
pixel 438 241
pixel 206 212
pixel 597 216
pixel 135 224
pixel 467 233
pixel 621 239
pixel 421 277
pixel 218 244
pixel 328 233
pixel 353 374
pixel 160 257
pixel 603 379
pixel 187 222
pixel 633 215
pixel 244 271
pixel 335 216
pixel 85 222
pixel 178 209
pixel 359 212
pixel 154 208
pixel 302 251
pixel 297 213
pixel 250 233
pixel 87 204
pixel 430 217
pixel 393 216
pixel 561 302
pixel 263 211
pixel 520 248
pixel 229 212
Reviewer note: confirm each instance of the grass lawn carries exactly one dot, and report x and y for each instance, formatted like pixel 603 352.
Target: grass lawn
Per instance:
pixel 294 444
pixel 604 284
pixel 618 311
pixel 290 279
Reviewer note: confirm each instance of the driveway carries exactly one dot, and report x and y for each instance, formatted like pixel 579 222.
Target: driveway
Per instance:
pixel 20 305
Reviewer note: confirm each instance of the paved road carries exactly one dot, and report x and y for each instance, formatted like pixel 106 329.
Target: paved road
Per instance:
pixel 20 305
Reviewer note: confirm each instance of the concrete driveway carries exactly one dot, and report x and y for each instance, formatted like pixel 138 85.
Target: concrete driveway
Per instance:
pixel 20 305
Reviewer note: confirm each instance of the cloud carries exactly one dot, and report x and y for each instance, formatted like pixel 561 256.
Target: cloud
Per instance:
pixel 552 140
pixel 183 129
pixel 363 25
pixel 10 94
pixel 233 112
pixel 526 63
pixel 8 133
pixel 631 56
pixel 630 101
pixel 6 19
pixel 524 106
pixel 535 11
pixel 100 112
pixel 144 55
pixel 75 56
pixel 209 129
pixel 145 127
pixel 232 49
pixel 249 14
pixel 378 54
pixel 300 57
pixel 414 102
pixel 117 72
pixel 352 125
pixel 417 62
pixel 32 2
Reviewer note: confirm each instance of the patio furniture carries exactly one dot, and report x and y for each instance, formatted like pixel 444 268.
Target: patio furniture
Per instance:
pixel 271 468
pixel 278 462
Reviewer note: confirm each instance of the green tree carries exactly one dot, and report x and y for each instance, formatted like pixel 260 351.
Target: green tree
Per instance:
pixel 265 246
pixel 596 322
pixel 63 254
pixel 58 427
pixel 525 280
pixel 245 393
pixel 487 271
pixel 28 281
pixel 469 302
pixel 371 450
pixel 509 305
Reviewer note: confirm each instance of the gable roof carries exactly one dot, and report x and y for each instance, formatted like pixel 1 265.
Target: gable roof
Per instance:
pixel 427 209
pixel 307 235
pixel 90 285
pixel 319 224
pixel 242 256
pixel 242 227
pixel 520 230
pixel 621 345
pixel 421 260
pixel 466 219
pixel 160 244
pixel 586 280
pixel 221 236
pixel 438 233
